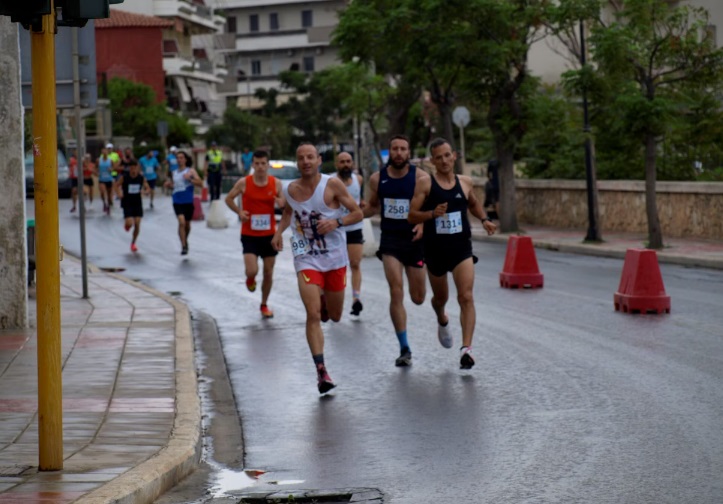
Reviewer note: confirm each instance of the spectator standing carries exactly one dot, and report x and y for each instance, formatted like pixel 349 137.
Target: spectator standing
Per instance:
pixel 214 170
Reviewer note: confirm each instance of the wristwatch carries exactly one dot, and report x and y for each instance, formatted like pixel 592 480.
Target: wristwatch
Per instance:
pixel 486 219
pixel 340 222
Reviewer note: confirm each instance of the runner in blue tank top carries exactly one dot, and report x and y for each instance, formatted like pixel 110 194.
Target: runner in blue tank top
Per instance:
pixel 183 181
pixel 441 202
pixel 400 249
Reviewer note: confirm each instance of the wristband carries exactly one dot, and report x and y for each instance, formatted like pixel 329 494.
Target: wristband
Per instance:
pixel 340 222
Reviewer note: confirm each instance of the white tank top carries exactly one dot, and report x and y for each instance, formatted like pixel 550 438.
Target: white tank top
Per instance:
pixel 312 250
pixel 355 191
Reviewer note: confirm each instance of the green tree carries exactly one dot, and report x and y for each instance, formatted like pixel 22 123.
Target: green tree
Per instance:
pixel 136 113
pixel 650 50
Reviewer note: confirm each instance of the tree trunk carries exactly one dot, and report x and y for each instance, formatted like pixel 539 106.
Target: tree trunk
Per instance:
pixel 508 202
pixel 655 234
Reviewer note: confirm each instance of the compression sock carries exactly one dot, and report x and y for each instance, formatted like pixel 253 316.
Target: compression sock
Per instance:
pixel 402 337
pixel 318 359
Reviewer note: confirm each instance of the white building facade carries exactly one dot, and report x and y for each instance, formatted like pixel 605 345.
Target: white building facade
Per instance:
pixel 266 37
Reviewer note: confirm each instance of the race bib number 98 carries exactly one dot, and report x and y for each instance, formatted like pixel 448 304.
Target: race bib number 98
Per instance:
pixel 396 208
pixel 299 244
pixel 449 223
pixel 261 222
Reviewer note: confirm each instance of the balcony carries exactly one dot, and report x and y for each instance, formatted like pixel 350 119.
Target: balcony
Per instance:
pixel 200 17
pixel 276 42
pixel 178 66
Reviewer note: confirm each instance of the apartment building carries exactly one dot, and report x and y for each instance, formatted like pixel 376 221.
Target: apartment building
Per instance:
pixel 266 37
pixel 191 66
pixel 549 58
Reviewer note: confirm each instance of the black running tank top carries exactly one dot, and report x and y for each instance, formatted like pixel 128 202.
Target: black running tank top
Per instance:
pixel 455 223
pixel 395 195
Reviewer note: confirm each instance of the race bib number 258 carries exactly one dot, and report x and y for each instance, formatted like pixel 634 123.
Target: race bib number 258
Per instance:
pixel 396 208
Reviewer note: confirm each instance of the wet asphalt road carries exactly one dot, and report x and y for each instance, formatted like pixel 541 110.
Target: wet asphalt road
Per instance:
pixel 569 400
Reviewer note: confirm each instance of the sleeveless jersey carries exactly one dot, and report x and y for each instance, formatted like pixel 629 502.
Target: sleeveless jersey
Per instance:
pixel 395 195
pixel 182 188
pixel 259 202
pixel 312 250
pixel 104 169
pixel 453 225
pixel 355 191
pixel 132 187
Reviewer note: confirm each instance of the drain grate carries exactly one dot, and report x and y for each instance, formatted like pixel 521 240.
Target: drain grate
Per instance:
pixel 15 470
pixel 341 496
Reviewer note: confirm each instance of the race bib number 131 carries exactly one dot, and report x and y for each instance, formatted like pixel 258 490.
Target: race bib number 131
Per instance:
pixel 449 223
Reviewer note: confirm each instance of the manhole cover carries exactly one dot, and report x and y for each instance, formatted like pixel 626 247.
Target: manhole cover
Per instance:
pixel 109 269
pixel 342 496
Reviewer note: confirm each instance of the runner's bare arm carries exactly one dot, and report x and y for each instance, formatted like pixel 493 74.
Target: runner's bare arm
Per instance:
pixel 118 186
pixel 277 241
pixel 238 188
pixel 362 203
pixel 146 188
pixel 195 179
pixel 373 206
pixel 475 205
pixel 421 191
pixel 280 200
pixel 344 198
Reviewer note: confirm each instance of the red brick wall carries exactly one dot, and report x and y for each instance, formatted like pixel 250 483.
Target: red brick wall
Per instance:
pixel 132 53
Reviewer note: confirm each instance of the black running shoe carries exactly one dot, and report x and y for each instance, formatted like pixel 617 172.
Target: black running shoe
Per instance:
pixel 184 250
pixel 325 384
pixel 356 308
pixel 404 359
pixel 466 361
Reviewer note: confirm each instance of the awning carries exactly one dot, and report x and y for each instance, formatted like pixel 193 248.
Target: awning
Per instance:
pixel 183 89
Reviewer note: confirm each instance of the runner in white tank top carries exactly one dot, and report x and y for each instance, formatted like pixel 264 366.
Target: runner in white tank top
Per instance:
pixel 354 234
pixel 314 203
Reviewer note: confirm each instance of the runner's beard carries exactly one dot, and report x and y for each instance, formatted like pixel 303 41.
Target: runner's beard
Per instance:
pixel 345 174
pixel 398 166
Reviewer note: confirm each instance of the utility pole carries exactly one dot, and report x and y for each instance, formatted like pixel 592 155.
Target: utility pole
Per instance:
pixel 45 149
pixel 79 155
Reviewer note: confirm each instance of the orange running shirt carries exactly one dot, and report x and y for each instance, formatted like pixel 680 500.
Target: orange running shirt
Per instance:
pixel 259 202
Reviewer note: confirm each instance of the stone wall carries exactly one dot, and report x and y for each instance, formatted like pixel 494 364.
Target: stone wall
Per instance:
pixel 685 208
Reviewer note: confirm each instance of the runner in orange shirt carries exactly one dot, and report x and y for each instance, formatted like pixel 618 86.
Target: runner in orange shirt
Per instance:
pixel 259 193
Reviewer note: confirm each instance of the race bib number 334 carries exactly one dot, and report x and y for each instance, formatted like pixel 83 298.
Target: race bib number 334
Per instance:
pixel 396 208
pixel 261 222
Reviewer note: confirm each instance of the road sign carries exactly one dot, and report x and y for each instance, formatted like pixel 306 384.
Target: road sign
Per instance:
pixel 460 117
pixel 64 67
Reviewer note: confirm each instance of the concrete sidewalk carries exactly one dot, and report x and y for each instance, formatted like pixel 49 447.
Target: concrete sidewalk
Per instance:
pixel 131 412
pixel 682 251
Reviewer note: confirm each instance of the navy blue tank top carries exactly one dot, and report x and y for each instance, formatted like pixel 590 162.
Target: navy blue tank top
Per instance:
pixel 395 194
pixel 454 225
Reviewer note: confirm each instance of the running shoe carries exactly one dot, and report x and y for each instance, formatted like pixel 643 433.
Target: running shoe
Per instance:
pixel 265 312
pixel 466 361
pixel 134 248
pixel 405 358
pixel 324 380
pixel 251 284
pixel 184 250
pixel 356 308
pixel 72 210
pixel 324 311
pixel 444 336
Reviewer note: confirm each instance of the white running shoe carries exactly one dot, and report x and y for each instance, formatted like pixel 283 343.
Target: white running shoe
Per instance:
pixel 445 337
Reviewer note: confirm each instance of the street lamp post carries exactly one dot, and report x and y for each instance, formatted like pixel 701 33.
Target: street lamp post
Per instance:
pixel 593 234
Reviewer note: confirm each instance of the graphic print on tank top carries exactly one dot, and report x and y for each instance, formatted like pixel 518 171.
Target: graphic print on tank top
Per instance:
pixel 307 239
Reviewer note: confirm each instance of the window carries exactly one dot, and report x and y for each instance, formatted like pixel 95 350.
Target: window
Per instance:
pixel 254 23
pixel 231 24
pixel 255 67
pixel 274 21
pixel 307 18
pixel 170 48
pixel 308 63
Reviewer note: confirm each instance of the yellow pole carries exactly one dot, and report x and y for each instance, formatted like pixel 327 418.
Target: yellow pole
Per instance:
pixel 45 147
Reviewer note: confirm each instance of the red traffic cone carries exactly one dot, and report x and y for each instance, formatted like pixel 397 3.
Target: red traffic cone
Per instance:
pixel 197 210
pixel 520 269
pixel 641 287
pixel 204 194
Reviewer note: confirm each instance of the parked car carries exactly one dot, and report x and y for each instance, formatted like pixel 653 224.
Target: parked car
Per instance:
pixel 64 183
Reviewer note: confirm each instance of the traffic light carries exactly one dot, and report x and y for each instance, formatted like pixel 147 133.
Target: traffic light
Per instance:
pixel 72 12
pixel 27 12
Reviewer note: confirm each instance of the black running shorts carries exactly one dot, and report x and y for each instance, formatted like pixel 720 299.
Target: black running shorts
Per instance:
pixel 406 251
pixel 355 237
pixel 185 209
pixel 259 246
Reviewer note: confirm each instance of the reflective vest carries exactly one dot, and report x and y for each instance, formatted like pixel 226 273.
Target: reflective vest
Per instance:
pixel 215 157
